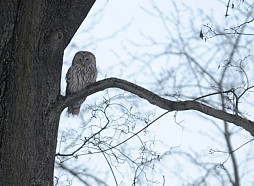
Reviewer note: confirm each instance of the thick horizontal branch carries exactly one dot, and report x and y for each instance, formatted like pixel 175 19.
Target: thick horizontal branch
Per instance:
pixel 154 99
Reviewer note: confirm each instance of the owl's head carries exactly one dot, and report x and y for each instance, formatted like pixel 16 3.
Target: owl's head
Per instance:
pixel 83 58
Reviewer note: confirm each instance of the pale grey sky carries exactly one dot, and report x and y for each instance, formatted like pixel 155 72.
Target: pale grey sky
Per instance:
pixel 108 34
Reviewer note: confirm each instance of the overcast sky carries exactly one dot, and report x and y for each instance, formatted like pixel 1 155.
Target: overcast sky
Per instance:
pixel 108 31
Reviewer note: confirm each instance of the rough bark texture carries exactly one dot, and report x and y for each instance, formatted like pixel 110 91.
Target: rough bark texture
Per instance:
pixel 33 36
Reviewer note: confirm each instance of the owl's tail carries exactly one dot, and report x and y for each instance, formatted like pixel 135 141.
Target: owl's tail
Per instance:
pixel 75 108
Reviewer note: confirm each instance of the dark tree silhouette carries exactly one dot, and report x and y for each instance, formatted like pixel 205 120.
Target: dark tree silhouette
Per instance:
pixel 33 37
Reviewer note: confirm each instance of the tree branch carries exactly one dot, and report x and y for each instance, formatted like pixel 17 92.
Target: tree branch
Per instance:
pixel 226 15
pixel 154 99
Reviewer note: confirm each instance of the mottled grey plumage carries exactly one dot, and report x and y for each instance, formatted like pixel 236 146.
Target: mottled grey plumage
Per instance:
pixel 81 73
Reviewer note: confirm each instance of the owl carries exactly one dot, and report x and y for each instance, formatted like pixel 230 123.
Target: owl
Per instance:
pixel 82 73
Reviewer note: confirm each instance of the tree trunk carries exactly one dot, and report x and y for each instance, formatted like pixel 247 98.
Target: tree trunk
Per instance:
pixel 33 36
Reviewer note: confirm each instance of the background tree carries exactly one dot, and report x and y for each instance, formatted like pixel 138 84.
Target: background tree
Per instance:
pixel 180 66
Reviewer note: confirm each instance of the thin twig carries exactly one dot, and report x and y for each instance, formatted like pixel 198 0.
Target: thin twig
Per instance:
pixel 108 165
pixel 220 92
pixel 226 15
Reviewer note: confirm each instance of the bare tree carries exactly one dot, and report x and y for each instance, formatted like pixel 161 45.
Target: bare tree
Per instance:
pixel 34 35
pixel 214 72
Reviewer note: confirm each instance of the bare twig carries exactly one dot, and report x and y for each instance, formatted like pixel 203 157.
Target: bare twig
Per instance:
pixel 109 165
pixel 226 15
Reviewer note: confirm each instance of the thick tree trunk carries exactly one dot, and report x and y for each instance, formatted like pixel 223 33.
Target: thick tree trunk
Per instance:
pixel 33 36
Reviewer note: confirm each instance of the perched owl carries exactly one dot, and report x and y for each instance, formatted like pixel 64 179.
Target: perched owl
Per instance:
pixel 81 73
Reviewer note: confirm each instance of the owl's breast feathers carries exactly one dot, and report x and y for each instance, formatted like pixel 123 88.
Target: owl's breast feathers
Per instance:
pixel 78 77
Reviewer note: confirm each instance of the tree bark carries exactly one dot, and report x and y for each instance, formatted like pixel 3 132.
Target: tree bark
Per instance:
pixel 33 36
